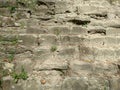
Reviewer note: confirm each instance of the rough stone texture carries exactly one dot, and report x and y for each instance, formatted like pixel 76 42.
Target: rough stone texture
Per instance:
pixel 61 44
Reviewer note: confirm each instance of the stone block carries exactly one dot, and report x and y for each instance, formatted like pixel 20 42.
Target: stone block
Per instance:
pixel 86 53
pixel 114 83
pixel 36 30
pixel 81 67
pixel 27 39
pixel 50 78
pixel 51 63
pixel 60 7
pixel 97 41
pixel 26 63
pixel 114 23
pixel 71 40
pixel 7 3
pixel 75 83
pixel 91 9
pixel 117 52
pixel 67 52
pixel 113 32
pixel 5 11
pixel 60 30
pixel 7 21
pixel 78 30
pixel 111 41
pixel 104 54
pixel 8 37
pixel 48 40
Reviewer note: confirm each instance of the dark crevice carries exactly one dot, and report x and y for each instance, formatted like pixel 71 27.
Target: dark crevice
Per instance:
pixel 79 22
pixel 100 31
pixel 60 70
pixel 101 15
pixel 63 71
pixel 41 3
pixel 48 4
pixel 29 12
pixel 67 11
pixel 98 16
pixel 118 67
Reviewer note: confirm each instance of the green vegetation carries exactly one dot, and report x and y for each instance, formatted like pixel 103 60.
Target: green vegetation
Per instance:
pixel 53 49
pixel 11 57
pixel 12 9
pixel 8 40
pixel 22 75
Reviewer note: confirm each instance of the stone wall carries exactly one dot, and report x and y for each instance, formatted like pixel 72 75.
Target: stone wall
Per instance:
pixel 59 45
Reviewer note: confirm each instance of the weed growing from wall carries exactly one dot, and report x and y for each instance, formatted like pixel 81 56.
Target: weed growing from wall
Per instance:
pixel 22 75
pixel 53 49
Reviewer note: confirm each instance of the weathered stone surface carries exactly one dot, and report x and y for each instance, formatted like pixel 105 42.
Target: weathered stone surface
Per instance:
pixel 7 3
pixel 63 30
pixel 48 40
pixel 28 40
pixel 7 21
pixel 113 32
pixel 36 30
pixel 61 7
pixel 75 84
pixel 52 64
pixel 78 30
pixel 61 44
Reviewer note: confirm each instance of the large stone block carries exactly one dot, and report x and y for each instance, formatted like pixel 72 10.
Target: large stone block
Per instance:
pixel 91 9
pixel 79 68
pixel 12 30
pixel 27 39
pixel 104 54
pixel 75 84
pixel 51 64
pixel 48 78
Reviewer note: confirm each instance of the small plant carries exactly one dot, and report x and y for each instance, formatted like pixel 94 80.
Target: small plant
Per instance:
pixel 53 49
pixel 22 75
pixel 11 57
pixel 12 9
